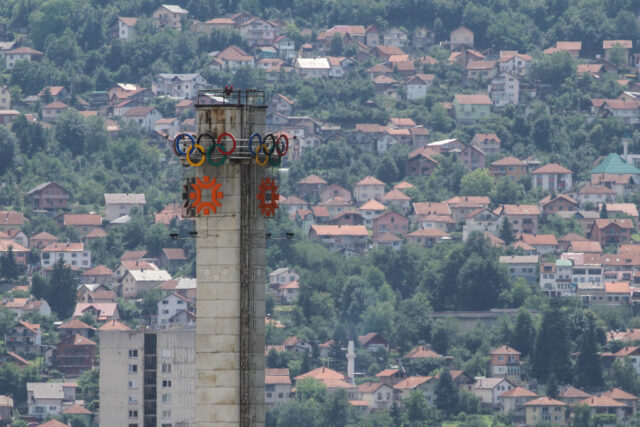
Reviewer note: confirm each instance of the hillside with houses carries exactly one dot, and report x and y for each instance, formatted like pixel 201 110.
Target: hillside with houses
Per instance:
pixel 457 241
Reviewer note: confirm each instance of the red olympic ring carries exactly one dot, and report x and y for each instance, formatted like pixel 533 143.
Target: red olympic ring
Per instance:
pixel 286 145
pixel 219 143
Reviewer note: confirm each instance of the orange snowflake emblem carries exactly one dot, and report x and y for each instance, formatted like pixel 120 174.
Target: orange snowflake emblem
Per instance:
pixel 206 183
pixel 268 197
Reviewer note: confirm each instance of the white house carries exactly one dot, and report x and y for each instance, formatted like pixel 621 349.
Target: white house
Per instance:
pixel 286 48
pixel 181 86
pixel 490 389
pixel 169 15
pixel 120 204
pixel 552 177
pixel 143 116
pixel 5 98
pixel 72 254
pixel 45 399
pixel 231 58
pixel 396 37
pixel 136 282
pixel 20 54
pixel 483 220
pixel 367 189
pixel 313 67
pixel 277 386
pixel 515 63
pixel 289 292
pixel 168 126
pixel 171 305
pixel 504 90
pixel 417 86
pixel 258 32
pixel 126 28
pixel 280 276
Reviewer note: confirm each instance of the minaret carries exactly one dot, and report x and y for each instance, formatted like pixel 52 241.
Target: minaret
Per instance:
pixel 351 362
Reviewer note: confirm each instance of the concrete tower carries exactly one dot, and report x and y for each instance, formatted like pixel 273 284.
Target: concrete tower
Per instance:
pixel 351 363
pixel 230 261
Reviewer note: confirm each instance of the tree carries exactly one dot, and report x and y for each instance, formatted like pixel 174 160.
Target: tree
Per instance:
pixel 447 396
pixel 554 68
pixel 588 368
pixel 506 232
pixel 618 56
pixel 604 214
pixel 39 287
pixel 552 386
pixel 524 332
pixel 551 354
pixel 8 145
pixel 623 375
pixel 8 266
pixel 337 45
pixel 71 131
pixel 506 191
pixel 416 407
pixel 337 409
pixel 476 183
pixel 62 285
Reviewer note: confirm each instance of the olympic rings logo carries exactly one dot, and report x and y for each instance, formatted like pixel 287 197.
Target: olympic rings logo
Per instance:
pixel 269 151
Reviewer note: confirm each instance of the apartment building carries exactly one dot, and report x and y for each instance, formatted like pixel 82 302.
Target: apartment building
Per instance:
pixel 147 377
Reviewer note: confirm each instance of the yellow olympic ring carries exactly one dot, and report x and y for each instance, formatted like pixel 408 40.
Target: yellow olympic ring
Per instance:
pixel 202 158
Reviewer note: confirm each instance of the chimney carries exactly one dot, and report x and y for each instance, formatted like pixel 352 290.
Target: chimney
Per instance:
pixel 351 362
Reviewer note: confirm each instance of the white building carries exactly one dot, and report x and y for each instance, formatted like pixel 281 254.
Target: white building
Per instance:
pixel 158 364
pixel 181 86
pixel 490 389
pixel 121 204
pixel 72 254
pixel 171 305
pixel 126 29
pixel 169 15
pixel 46 399
pixel 5 98
pixel 552 177
pixel 483 220
pixel 145 117
pixel 555 278
pixel 258 32
pixel 21 54
pixel 313 67
pixel 504 90
pixel 515 63
pixel 277 386
pixel 137 282
pixel 281 276
pixel 417 86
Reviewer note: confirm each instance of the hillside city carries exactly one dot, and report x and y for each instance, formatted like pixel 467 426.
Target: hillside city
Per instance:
pixel 457 241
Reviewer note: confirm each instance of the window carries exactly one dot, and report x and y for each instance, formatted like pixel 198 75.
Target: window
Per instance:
pixel 133 400
pixel 52 408
pixel 131 384
pixel 166 398
pixel 166 413
pixel 133 369
pixel 133 353
pixel 166 368
pixel 166 383
pixel 133 414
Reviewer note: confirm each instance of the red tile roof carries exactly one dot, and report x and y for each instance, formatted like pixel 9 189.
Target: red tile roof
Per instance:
pixel 76 410
pixel 321 374
pixel 114 325
pixel 545 401
pixel 174 254
pixel 412 382
pixel 552 168
pixel 313 179
pixel 601 402
pixel 98 270
pixel 82 219
pixel 574 393
pixel 369 180
pixel 505 350
pixel 64 247
pixel 518 392
pixel 617 288
pixel 478 99
pixel 422 352
pixel 618 394
pixel 340 230
pixel 508 161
